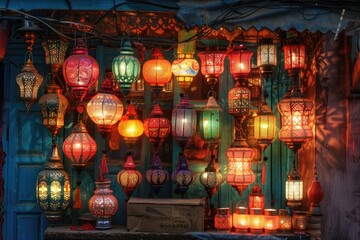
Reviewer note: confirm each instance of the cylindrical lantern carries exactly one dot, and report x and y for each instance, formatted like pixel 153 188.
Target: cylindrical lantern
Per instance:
pixel 294 188
pixel 239 174
pixel 210 122
pixel 157 71
pixel 79 146
pixel 55 51
pixel 296 119
pixel 212 65
pixel 284 221
pixel 265 126
pixel 239 101
pixel 80 71
pixel 299 222
pixel 223 219
pixel 294 58
pixel 29 81
pixel 130 127
pixel 157 126
pixel 183 121
pixel 255 85
pixel 156 176
pixel 256 198
pixel 53 107
pixel 53 187
pixel 182 176
pixel 266 57
pixel 103 204
pixel 105 109
pixel 129 178
pixel 240 64
pixel 271 221
pixel 126 67
pixel 211 178
pixel 256 220
pixel 241 220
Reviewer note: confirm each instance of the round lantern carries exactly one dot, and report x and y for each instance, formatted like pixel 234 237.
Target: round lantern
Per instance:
pixel 256 198
pixel 80 71
pixel 265 126
pixel 296 115
pixel 157 126
pixel 79 146
pixel 240 64
pixel 294 188
pixel 55 51
pixel 182 176
pixel 156 176
pixel 212 65
pixel 126 67
pixel 53 107
pixel 211 178
pixel 129 178
pixel 210 122
pixel 105 109
pixel 183 121
pixel 130 127
pixel 240 174
pixel 294 58
pixel 266 57
pixel 315 194
pixel 53 187
pixel 29 81
pixel 157 71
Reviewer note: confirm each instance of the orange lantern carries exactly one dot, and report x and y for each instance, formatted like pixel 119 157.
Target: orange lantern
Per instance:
pixel 157 71
pixel 223 219
pixel 294 58
pixel 130 127
pixel 129 178
pixel 271 221
pixel 241 220
pixel 256 220
pixel 256 198
pixel 212 65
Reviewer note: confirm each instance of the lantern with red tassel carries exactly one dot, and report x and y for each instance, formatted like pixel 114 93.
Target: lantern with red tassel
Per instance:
pixel 315 194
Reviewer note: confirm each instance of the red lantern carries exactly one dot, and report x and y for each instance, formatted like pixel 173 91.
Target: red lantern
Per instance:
pixel 80 71
pixel 212 65
pixel 315 194
pixel 129 178
pixel 79 147
pixel 294 58
pixel 3 42
pixel 256 198
pixel 240 64
pixel 157 71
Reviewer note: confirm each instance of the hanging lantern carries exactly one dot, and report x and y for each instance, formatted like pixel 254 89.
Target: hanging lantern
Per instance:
pixel 130 127
pixel 212 65
pixel 315 194
pixel 126 67
pixel 105 109
pixel 182 176
pixel 55 51
pixel 240 65
pixel 29 81
pixel 256 198
pixel 240 174
pixel 211 178
pixel 53 107
pixel 239 101
pixel 265 126
pixel 53 187
pixel 157 71
pixel 156 176
pixel 294 187
pixel 157 126
pixel 129 178
pixel 296 113
pixel 210 122
pixel 3 42
pixel 80 71
pixel 79 146
pixel 183 121
pixel 255 85
pixel 266 57
pixel 294 58
pixel 185 67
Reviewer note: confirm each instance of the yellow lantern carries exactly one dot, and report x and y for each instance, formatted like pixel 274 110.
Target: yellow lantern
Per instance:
pixel 271 221
pixel 241 220
pixel 256 220
pixel 130 127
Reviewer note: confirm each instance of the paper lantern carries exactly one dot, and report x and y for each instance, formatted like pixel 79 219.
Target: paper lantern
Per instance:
pixel 130 127
pixel 80 71
pixel 240 64
pixel 126 67
pixel 241 220
pixel 266 57
pixel 55 51
pixel 129 178
pixel 212 65
pixel 271 221
pixel 294 58
pixel 53 187
pixel 256 220
pixel 223 219
pixel 256 198
pixel 315 194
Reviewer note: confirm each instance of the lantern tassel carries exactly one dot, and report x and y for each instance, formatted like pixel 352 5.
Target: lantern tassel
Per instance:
pixel 103 168
pixel 77 197
pixel 263 174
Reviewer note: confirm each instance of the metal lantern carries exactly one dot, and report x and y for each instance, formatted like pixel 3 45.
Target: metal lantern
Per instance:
pixel 211 178
pixel 241 219
pixel 29 81
pixel 266 57
pixel 126 67
pixel 55 51
pixel 294 58
pixel 53 187
pixel 130 127
pixel 210 122
pixel 240 64
pixel 80 71
pixel 212 65
pixel 239 101
pixel 256 198
pixel 157 126
pixel 105 109
pixel 255 85
pixel 53 107
pixel 79 146
pixel 156 176
pixel 294 187
pixel 271 221
pixel 129 178
pixel 265 126
pixel 157 71
pixel 182 176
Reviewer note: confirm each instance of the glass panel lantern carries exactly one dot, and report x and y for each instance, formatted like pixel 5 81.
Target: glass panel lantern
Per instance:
pixel 271 221
pixel 266 56
pixel 212 65
pixel 265 126
pixel 294 58
pixel 294 188
pixel 241 220
pixel 240 64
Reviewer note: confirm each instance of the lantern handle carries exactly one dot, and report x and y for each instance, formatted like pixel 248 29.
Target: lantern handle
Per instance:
pixel 241 203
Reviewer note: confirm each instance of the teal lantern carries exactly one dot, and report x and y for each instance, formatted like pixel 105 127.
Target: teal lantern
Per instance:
pixel 210 123
pixel 126 67
pixel 53 187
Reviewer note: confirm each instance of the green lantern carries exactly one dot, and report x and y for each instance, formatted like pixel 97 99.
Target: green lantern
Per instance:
pixel 53 187
pixel 210 122
pixel 126 67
